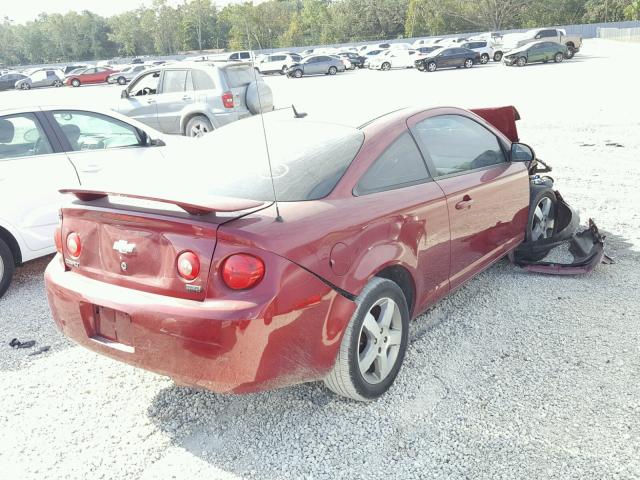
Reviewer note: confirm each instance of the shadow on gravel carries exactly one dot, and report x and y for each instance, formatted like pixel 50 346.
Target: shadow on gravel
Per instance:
pixel 25 315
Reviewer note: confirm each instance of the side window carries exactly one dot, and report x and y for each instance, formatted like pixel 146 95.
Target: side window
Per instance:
pixel 51 74
pixel 22 136
pixel 202 81
pixel 458 144
pixel 90 71
pixel 245 55
pixel 234 56
pixel 145 85
pixel 401 165
pixel 92 131
pixel 38 76
pixel 174 81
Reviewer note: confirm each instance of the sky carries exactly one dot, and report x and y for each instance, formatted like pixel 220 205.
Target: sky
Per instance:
pixel 23 11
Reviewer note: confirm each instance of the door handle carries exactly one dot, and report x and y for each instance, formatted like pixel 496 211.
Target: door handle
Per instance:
pixel 186 97
pixel 150 101
pixel 465 203
pixel 91 169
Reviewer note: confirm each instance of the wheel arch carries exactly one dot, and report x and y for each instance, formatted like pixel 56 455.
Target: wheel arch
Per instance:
pixel 570 44
pixel 13 245
pixel 191 114
pixel 402 277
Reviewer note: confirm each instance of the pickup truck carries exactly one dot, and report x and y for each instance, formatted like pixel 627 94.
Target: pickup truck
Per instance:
pixel 573 43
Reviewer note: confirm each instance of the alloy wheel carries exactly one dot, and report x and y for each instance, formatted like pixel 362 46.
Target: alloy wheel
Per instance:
pixel 468 63
pixel 521 62
pixel 432 67
pixel 379 341
pixel 198 129
pixel 543 220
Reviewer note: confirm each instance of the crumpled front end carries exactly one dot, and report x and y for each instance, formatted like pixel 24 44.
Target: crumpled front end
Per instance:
pixel 585 245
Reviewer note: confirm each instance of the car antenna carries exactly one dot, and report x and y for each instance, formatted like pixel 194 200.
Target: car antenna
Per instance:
pixel 264 132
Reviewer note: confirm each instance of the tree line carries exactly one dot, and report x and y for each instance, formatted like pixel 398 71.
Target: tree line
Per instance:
pixel 198 24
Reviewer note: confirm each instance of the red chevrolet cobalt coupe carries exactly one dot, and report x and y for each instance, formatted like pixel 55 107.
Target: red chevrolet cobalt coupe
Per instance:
pixel 210 284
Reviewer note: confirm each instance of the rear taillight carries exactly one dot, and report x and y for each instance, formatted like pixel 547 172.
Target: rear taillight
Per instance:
pixel 242 271
pixel 57 237
pixel 74 247
pixel 188 265
pixel 227 99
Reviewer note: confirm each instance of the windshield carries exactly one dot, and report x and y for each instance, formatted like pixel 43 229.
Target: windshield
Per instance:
pixel 308 159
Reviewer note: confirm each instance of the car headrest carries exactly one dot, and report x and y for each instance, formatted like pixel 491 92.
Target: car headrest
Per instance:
pixel 72 132
pixel 6 131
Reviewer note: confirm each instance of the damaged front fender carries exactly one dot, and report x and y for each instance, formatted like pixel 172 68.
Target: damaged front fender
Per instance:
pixel 586 246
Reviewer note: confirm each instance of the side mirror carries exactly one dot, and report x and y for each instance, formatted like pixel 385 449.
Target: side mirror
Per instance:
pixel 156 142
pixel 522 153
pixel 124 94
pixel 538 37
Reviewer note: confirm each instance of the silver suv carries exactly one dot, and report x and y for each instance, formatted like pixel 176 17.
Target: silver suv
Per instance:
pixel 195 98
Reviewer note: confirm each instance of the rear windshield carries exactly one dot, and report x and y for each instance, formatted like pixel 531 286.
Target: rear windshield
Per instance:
pixel 239 76
pixel 308 159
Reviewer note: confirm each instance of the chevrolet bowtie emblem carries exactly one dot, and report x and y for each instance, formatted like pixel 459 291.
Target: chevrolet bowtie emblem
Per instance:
pixel 124 247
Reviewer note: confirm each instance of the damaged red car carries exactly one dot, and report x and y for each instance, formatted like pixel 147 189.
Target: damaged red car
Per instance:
pixel 215 285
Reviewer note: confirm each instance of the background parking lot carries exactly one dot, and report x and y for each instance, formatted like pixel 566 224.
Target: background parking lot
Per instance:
pixel 515 375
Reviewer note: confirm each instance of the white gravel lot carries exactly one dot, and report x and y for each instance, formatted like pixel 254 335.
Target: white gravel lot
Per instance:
pixel 515 375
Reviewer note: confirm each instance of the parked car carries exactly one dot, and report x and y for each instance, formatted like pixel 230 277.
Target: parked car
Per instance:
pixel 277 62
pixel 357 61
pixel 90 75
pixel 448 57
pixel 8 80
pixel 127 74
pixel 401 46
pixel 223 289
pixel 369 55
pixel 43 150
pixel 195 98
pixel 389 59
pixel 41 78
pixel 513 41
pixel 482 47
pixel 423 52
pixel 317 65
pixel 536 52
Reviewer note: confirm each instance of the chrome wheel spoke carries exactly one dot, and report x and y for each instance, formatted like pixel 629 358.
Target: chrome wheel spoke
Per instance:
pixel 388 310
pixel 382 365
pixel 371 326
pixel 366 358
pixel 394 338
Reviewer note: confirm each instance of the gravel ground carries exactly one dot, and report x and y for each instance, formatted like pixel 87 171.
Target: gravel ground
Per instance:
pixel 515 375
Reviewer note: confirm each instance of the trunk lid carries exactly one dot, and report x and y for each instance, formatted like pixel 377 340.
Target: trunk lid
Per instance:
pixel 135 245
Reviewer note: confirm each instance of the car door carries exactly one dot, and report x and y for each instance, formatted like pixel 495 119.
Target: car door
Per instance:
pixel 140 100
pixel 173 98
pixel 446 58
pixel 487 196
pixel 409 207
pixel 103 149
pixel 38 79
pixel 32 170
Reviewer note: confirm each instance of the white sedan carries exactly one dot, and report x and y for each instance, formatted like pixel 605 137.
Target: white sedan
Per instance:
pixel 43 150
pixel 396 58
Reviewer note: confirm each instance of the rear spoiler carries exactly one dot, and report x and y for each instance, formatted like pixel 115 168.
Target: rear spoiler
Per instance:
pixel 503 118
pixel 202 206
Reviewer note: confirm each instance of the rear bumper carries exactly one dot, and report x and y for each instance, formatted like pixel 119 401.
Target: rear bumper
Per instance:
pixel 222 345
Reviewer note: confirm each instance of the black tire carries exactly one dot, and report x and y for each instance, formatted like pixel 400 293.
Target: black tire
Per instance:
pixel 385 66
pixel 468 63
pixel 75 82
pixel 198 126
pixel 333 70
pixel 558 57
pixel 297 73
pixel 536 198
pixel 570 52
pixel 497 56
pixel 345 378
pixel 7 267
pixel 432 66
pixel 420 66
pixel 122 81
pixel 484 58
pixel 283 70
pixel 521 61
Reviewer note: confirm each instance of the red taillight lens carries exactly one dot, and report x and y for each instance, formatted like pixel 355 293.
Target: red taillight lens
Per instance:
pixel 188 265
pixel 242 271
pixel 227 99
pixel 74 247
pixel 57 237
